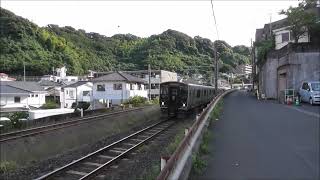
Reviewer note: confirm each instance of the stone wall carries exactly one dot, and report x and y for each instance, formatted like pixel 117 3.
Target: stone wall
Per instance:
pixel 297 63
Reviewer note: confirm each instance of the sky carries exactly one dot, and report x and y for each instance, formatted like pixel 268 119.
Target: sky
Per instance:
pixel 236 20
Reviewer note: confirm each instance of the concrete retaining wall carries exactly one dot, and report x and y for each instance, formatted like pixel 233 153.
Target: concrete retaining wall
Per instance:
pixel 297 67
pixel 43 146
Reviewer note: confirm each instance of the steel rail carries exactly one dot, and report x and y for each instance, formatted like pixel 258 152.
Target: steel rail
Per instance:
pixel 42 129
pixel 95 171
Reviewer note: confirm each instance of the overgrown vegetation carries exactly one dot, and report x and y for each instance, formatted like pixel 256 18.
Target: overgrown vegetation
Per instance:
pixel 42 48
pixel 216 112
pixel 7 166
pixel 151 174
pixel 300 20
pixel 199 159
pixel 136 101
pixel 15 119
pixel 175 143
pixel 50 105
pixel 81 105
pixel 263 48
pixel 198 164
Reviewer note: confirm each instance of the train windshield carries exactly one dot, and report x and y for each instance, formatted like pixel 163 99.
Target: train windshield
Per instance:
pixel 184 93
pixel 164 90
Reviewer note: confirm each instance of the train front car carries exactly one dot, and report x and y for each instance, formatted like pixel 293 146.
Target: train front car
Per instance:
pixel 173 98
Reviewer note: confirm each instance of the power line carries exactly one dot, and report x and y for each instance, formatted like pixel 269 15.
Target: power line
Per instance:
pixel 215 21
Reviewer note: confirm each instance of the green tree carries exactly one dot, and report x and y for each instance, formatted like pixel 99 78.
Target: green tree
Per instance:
pixel 299 19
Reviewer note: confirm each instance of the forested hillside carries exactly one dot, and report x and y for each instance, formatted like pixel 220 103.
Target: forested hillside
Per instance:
pixel 42 48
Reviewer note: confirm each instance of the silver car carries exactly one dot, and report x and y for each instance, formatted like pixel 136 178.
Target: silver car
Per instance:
pixel 310 92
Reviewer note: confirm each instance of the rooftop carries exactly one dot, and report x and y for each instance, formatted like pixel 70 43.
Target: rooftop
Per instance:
pixel 76 84
pixel 6 89
pixel 119 76
pixel 23 85
pixel 49 83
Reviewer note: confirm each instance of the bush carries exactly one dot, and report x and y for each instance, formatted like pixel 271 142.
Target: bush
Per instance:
pixel 15 118
pixel 7 166
pixel 81 105
pixel 136 100
pixel 155 100
pixel 50 105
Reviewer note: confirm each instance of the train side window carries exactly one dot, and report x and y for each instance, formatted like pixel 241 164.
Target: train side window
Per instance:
pixel 198 93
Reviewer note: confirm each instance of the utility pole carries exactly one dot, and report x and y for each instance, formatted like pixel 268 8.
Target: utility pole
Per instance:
pixel 54 86
pixel 252 64
pixel 149 72
pixel 216 71
pixel 24 71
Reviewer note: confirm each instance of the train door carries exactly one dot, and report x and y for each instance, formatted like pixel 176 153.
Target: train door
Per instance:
pixel 173 100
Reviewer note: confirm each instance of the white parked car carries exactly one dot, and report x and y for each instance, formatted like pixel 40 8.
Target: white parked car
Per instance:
pixel 310 92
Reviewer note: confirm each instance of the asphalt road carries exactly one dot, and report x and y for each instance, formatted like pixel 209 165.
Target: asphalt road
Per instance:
pixel 263 140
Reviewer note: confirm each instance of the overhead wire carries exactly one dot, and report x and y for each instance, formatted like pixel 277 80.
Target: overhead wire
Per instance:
pixel 215 21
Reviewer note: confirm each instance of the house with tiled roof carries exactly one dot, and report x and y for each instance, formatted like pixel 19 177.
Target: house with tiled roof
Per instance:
pixel 80 91
pixel 290 61
pixel 20 94
pixel 117 87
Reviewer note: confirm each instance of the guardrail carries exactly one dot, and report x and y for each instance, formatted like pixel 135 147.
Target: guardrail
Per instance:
pixel 174 159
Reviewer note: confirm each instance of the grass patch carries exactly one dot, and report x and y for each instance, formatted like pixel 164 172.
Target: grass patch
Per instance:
pixel 7 166
pixel 198 164
pixel 216 112
pixel 175 143
pixel 152 174
pixel 204 146
pixel 199 159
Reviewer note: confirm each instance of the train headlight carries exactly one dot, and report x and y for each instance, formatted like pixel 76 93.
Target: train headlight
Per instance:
pixel 183 105
pixel 162 103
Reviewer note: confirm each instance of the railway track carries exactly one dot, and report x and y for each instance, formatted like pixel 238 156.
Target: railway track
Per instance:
pixel 43 129
pixel 91 165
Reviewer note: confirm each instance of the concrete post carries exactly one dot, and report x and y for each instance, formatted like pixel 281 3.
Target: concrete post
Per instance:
pixel 81 111
pixel 164 160
pixel 108 101
pixel 186 131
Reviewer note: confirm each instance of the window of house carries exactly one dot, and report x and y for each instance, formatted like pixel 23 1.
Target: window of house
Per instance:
pixel 32 95
pixel 36 95
pixel 140 86
pixel 117 86
pixel 153 86
pixel 101 87
pixel 71 94
pixel 285 37
pixel 131 86
pixel 86 93
pixel 16 99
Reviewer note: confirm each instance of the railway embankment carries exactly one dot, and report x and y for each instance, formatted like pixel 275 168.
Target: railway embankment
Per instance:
pixel 31 150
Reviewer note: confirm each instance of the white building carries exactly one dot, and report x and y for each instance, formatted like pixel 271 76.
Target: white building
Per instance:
pixel 283 36
pixel 157 77
pixel 20 94
pixel 61 76
pixel 117 87
pixel 5 77
pixel 80 91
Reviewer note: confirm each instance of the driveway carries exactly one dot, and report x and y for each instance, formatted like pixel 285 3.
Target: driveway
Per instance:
pixel 263 140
